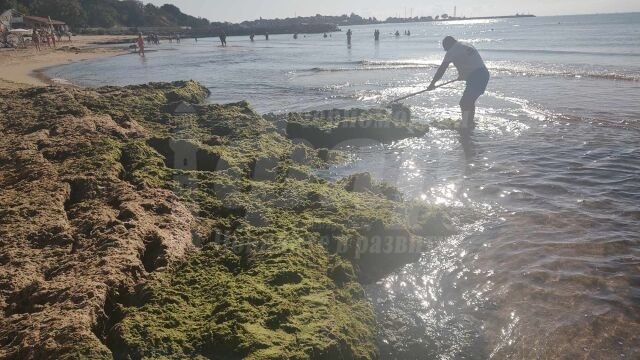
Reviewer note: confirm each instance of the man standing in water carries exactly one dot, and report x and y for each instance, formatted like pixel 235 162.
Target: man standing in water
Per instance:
pixel 470 68
pixel 140 44
pixel 223 39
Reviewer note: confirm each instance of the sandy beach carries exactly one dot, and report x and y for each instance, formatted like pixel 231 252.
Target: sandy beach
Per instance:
pixel 20 68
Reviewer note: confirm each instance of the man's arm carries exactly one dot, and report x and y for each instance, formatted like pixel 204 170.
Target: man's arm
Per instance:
pixel 439 74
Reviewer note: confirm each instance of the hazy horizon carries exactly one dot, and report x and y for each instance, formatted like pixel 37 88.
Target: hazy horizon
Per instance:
pixel 241 10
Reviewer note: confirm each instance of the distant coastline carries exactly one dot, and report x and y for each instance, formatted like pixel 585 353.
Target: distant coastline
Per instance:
pixel 302 25
pixel 410 20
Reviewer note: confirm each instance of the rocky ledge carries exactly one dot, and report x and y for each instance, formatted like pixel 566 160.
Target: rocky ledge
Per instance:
pixel 340 127
pixel 137 222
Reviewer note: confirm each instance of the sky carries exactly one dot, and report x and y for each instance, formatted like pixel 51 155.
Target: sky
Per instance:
pixel 240 10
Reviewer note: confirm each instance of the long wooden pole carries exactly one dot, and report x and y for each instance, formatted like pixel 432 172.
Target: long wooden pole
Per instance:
pixel 423 91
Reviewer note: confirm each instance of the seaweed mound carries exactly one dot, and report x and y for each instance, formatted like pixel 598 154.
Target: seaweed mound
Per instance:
pixel 333 128
pixel 138 223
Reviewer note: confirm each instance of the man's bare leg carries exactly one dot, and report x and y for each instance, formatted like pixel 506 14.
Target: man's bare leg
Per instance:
pixel 468 115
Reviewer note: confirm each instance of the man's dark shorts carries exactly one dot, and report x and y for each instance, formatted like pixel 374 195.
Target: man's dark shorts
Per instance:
pixel 476 86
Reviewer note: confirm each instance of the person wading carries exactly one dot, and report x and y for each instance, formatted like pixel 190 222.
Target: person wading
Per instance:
pixel 471 69
pixel 223 38
pixel 140 42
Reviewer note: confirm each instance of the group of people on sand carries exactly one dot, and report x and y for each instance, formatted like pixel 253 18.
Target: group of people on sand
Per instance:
pixel 48 37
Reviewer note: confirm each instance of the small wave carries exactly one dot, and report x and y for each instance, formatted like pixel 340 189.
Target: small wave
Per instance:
pixel 610 76
pixel 559 52
pixel 60 81
pixel 549 70
pixel 377 65
pixel 372 68
pixel 415 62
pixel 515 69
pixel 481 40
pixel 504 67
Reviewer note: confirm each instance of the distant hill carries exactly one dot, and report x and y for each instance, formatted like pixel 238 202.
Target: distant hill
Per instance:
pixel 125 16
pixel 87 15
pixel 106 13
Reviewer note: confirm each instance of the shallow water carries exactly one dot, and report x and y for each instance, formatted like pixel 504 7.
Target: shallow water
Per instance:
pixel 551 266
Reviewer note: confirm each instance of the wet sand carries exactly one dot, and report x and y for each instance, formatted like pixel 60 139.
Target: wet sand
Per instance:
pixel 22 68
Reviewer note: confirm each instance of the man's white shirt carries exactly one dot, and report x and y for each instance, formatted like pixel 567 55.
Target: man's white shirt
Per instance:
pixel 465 58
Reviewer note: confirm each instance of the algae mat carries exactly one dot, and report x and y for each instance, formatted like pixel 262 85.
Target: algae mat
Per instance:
pixel 137 223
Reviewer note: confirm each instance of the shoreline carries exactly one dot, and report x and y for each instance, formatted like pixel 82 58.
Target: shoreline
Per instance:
pixel 23 68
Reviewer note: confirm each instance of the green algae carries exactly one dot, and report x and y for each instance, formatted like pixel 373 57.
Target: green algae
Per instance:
pixel 282 253
pixel 278 275
pixel 339 127
pixel 275 304
pixel 144 165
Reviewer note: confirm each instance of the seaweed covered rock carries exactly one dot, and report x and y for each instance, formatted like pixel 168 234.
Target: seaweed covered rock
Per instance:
pixel 75 235
pixel 133 229
pixel 332 128
pixel 365 183
pixel 446 124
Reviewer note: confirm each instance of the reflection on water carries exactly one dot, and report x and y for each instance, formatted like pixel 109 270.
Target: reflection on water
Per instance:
pixel 551 267
pixel 550 270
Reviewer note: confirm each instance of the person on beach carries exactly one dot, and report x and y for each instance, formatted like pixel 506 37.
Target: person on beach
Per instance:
pixel 44 38
pixel 349 33
pixel 35 37
pixel 252 37
pixel 471 68
pixel 376 35
pixel 266 36
pixel 140 44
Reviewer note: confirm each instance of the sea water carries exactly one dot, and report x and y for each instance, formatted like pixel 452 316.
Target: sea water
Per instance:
pixel 549 264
